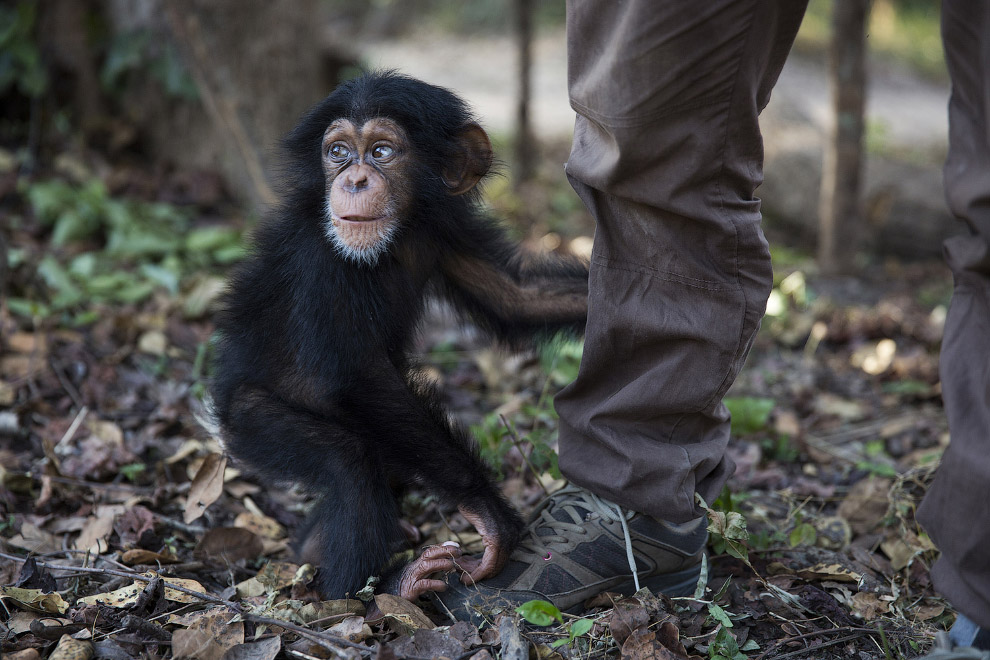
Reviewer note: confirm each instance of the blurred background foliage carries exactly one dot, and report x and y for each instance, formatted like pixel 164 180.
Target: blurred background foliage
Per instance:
pixel 131 136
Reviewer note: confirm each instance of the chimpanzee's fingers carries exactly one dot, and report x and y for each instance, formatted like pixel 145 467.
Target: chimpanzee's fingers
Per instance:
pixel 447 550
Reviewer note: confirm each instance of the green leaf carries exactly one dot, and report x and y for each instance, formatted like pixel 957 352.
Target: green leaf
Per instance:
pixel 718 614
pixel 581 627
pixel 56 277
pixel 131 471
pixel 539 612
pixel 162 276
pixel 803 534
pixel 749 414
pixel 29 309
pixel 210 239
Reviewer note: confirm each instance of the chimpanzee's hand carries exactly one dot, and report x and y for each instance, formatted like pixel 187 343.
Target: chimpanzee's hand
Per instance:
pixel 499 542
pixel 415 581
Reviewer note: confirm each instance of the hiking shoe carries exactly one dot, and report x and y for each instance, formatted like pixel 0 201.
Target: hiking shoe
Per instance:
pixel 578 545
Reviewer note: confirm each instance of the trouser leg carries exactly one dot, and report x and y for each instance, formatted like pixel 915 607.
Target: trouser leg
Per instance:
pixel 955 509
pixel 667 154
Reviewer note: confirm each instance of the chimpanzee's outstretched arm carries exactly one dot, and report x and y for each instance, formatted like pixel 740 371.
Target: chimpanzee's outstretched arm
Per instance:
pixel 515 296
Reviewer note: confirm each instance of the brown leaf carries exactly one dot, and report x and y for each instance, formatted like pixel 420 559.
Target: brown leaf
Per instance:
pixel 260 524
pixel 24 654
pixel 139 556
pixel 27 343
pixel 869 606
pixel 627 615
pixel 866 504
pixel 353 629
pixel 400 611
pixel 132 523
pixel 642 644
pixel 263 649
pixel 208 638
pixel 72 649
pixel 229 544
pixel 95 533
pixel 206 486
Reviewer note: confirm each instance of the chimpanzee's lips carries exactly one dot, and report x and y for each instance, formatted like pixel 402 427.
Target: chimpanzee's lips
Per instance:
pixel 359 219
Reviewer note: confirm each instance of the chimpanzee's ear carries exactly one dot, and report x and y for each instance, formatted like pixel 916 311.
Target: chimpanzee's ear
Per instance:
pixel 470 161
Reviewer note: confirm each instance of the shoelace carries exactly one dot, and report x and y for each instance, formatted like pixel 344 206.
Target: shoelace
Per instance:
pixel 566 499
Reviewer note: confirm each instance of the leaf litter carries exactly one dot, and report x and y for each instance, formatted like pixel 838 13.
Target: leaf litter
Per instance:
pixel 126 534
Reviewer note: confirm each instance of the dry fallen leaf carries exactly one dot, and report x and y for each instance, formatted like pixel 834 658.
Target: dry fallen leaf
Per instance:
pixel 229 544
pixel 868 605
pixel 126 596
pixel 260 524
pixel 400 611
pixel 263 649
pixel 206 486
pixel 72 649
pixel 139 556
pixel 95 533
pixel 208 638
pixel 353 629
pixel 35 600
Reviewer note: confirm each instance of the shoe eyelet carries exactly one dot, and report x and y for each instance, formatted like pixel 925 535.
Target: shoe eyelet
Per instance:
pixel 549 556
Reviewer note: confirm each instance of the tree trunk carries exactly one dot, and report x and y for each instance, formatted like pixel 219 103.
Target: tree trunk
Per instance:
pixel 839 207
pixel 257 66
pixel 525 142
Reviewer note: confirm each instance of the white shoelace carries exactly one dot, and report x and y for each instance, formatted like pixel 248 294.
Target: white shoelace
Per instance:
pixel 536 544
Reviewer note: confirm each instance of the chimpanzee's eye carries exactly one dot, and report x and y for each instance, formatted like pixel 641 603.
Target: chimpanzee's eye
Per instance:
pixel 338 151
pixel 382 152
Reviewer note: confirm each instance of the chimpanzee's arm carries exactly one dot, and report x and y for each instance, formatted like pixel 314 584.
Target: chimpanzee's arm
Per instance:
pixel 379 428
pixel 516 297
pixel 421 445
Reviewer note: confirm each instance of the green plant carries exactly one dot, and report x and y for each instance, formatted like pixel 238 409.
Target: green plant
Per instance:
pixel 132 471
pixel 137 52
pixel 560 360
pixel 490 435
pixel 20 60
pixel 130 249
pixel 749 414
pixel 542 613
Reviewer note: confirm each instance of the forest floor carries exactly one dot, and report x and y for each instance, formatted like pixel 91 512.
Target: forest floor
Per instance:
pixel 124 530
pixel 109 479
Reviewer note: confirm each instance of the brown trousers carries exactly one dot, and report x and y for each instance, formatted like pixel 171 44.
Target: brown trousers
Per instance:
pixel 956 511
pixel 667 153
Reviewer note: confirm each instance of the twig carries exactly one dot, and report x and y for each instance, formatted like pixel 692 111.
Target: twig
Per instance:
pixel 131 575
pixel 66 384
pixel 179 525
pixel 323 639
pixel 814 633
pixel 74 426
pixel 100 486
pixel 516 440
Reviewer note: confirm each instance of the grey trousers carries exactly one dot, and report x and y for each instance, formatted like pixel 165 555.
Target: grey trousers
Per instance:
pixel 956 510
pixel 667 154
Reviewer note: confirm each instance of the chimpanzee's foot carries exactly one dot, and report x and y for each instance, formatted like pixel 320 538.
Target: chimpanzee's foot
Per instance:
pixel 575 547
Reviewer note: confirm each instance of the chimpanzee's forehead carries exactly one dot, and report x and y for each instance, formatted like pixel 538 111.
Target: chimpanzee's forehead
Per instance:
pixel 375 128
pixel 414 104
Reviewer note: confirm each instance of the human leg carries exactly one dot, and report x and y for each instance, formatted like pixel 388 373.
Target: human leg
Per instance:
pixel 954 511
pixel 667 154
